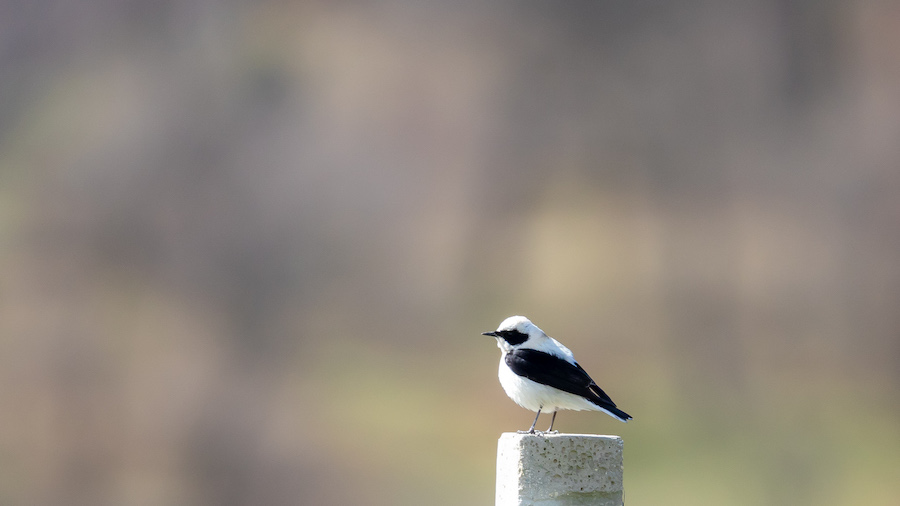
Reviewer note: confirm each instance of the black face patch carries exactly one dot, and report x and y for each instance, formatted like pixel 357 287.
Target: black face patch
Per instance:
pixel 513 337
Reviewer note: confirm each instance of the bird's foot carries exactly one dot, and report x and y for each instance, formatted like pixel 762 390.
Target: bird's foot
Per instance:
pixel 530 431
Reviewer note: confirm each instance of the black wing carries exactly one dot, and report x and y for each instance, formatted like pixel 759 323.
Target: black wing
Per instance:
pixel 556 372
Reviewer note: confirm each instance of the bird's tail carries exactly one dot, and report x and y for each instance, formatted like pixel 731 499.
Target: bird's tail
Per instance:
pixel 607 405
pixel 616 413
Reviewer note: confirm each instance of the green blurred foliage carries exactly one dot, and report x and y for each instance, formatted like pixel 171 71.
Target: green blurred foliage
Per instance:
pixel 247 249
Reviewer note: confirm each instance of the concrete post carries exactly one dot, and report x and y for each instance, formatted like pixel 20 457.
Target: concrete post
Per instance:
pixel 559 470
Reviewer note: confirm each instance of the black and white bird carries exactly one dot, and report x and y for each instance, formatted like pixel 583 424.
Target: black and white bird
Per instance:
pixel 540 374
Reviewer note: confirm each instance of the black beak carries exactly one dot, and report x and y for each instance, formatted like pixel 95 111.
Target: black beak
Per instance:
pixel 492 334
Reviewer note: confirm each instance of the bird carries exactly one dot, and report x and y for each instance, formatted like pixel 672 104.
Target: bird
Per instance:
pixel 540 374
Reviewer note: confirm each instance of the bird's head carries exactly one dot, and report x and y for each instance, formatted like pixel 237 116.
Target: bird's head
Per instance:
pixel 515 331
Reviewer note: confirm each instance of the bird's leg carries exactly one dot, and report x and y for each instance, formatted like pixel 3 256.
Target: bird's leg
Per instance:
pixel 553 419
pixel 531 430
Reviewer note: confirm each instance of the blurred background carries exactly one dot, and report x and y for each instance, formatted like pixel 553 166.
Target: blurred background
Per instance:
pixel 247 248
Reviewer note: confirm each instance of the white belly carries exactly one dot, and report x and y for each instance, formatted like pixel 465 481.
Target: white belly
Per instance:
pixel 535 396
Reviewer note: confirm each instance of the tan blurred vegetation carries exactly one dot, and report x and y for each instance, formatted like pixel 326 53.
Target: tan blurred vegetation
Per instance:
pixel 246 249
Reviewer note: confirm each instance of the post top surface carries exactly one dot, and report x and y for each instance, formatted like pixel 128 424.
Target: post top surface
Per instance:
pixel 558 435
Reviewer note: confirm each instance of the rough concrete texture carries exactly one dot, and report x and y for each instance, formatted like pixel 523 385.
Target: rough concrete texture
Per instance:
pixel 559 469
